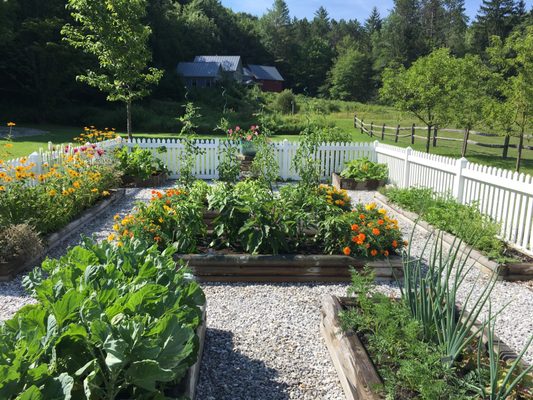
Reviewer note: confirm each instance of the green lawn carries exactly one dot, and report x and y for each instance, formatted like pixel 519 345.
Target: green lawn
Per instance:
pixel 369 113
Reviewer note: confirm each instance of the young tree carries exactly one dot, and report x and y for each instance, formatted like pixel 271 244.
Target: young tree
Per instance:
pixel 423 89
pixel 113 32
pixel 350 77
pixel 514 57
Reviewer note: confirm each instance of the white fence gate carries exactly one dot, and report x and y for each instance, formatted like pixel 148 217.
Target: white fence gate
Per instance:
pixel 504 195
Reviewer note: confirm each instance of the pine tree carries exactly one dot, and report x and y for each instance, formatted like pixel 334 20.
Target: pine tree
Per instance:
pixel 433 22
pixel 374 22
pixel 456 26
pixel 494 18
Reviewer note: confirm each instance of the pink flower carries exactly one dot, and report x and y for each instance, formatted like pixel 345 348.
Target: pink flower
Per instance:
pixel 83 148
pixel 100 152
pixel 230 131
pixel 76 150
pixel 249 137
pixel 237 128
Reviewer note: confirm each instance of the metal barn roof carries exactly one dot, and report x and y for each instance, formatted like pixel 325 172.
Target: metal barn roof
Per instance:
pixel 228 63
pixel 265 72
pixel 199 69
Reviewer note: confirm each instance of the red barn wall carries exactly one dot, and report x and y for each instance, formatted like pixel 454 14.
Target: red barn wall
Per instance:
pixel 271 86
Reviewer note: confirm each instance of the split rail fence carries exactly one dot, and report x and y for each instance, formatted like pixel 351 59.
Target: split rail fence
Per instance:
pixel 504 195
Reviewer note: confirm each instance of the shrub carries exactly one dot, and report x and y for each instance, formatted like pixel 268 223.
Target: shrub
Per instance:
pixel 111 322
pixel 19 242
pixel 285 101
pixel 363 170
pixel 139 163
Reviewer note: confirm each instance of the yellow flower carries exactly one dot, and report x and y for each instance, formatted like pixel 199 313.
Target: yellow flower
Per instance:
pixel 8 145
pixel 370 206
pixel 105 193
pixel 120 244
pixel 11 124
pixel 2 188
pixel 382 211
pixel 76 184
pixel 116 227
pixel 160 220
pixel 94 190
pixel 116 217
pixel 52 193
pixel 111 237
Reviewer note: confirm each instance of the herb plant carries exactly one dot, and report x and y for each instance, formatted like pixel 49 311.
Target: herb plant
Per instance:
pixel 364 170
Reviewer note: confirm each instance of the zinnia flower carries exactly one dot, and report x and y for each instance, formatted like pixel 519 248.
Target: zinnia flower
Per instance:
pixel 346 251
pixel 373 252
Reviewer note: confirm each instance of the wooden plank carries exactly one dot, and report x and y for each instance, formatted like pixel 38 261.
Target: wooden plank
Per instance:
pixel 356 372
pixel 275 279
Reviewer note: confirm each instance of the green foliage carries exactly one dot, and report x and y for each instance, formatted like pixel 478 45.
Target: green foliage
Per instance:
pixel 363 169
pixel 113 32
pixel 306 162
pixel 190 149
pixel 410 367
pixel 265 164
pixel 350 76
pixel 463 220
pixel 110 322
pixel 285 102
pixel 229 166
pixel 138 162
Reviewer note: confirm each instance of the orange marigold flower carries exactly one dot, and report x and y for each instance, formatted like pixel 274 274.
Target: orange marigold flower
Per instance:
pixel 386 253
pixel 373 252
pixel 362 216
pixel 376 231
pixel 346 251
pixel 354 239
pixel 361 237
pixel 380 222
pixel 394 243
pixel 355 227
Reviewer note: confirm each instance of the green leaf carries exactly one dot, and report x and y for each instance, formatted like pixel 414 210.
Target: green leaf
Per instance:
pixel 147 373
pixel 32 393
pixel 115 353
pixel 68 305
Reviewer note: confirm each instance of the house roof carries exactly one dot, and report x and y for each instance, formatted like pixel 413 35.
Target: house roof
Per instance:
pixel 265 72
pixel 199 69
pixel 228 63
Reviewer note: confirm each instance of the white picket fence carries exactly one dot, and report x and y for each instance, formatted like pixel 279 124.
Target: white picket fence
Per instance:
pixel 504 195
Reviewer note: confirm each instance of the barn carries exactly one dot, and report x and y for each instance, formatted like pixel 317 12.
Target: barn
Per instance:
pixel 200 74
pixel 268 77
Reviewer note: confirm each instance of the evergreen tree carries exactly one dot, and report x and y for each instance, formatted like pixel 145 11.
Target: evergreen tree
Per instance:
pixel 494 18
pixel 432 14
pixel 456 24
pixel 321 23
pixel 373 22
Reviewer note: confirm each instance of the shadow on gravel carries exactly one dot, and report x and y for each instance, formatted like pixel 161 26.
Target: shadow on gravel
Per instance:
pixel 227 374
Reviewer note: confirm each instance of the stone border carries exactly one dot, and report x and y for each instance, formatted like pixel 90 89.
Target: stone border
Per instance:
pixel 194 372
pixel 54 239
pixel 351 184
pixel 509 272
pixel 286 268
pixel 355 369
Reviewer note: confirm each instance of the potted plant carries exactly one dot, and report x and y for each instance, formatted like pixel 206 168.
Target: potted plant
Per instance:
pixel 246 138
pixel 140 167
pixel 361 174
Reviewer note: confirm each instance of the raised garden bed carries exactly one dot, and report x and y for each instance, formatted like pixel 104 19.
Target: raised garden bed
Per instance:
pixel 152 181
pixel 9 270
pixel 356 371
pixel 193 373
pixel 510 271
pixel 351 184
pixel 286 268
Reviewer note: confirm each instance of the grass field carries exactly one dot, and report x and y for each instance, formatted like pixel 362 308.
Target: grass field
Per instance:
pixel 379 115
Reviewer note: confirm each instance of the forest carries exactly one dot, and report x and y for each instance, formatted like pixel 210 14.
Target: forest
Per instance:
pixel 324 57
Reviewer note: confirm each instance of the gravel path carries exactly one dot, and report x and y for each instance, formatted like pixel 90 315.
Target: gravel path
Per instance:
pixel 263 340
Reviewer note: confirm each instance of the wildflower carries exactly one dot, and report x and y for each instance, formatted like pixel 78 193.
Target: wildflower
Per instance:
pixel 116 227
pixel 111 237
pixel 157 238
pixel 120 244
pixel 346 251
pixel 160 220
pixel 376 231
pixel 380 222
pixel 382 211
pixel 116 217
pixel 76 184
pixel 373 252
pixel 52 193
pixel 362 216
pixel 370 206
pixel 355 227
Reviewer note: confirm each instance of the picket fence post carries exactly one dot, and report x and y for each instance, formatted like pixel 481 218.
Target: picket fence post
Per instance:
pixel 406 168
pixel 35 158
pixel 459 180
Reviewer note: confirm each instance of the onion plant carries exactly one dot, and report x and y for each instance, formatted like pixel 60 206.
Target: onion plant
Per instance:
pixel 431 294
pixel 501 384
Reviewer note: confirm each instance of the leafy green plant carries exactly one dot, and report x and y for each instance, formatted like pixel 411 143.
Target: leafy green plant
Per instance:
pixel 229 166
pixel 265 165
pixel 190 149
pixel 306 162
pixel 138 162
pixel 445 213
pixel 111 322
pixel 363 169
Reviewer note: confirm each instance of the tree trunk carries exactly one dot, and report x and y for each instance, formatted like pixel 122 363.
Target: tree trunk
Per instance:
pixel 465 142
pixel 428 142
pixel 520 145
pixel 506 146
pixel 128 119
pixel 435 136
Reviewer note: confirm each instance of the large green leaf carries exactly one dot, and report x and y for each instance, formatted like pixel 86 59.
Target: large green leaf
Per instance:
pixel 147 373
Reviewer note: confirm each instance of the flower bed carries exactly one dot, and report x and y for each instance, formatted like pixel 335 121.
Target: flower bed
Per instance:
pixel 112 321
pixel 423 345
pixel 361 174
pixel 307 227
pixel 493 258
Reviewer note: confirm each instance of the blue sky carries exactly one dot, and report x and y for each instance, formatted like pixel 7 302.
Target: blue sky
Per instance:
pixel 347 9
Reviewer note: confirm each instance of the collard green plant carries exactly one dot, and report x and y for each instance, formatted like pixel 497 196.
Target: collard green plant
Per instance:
pixel 110 322
pixel 362 169
pixel 138 162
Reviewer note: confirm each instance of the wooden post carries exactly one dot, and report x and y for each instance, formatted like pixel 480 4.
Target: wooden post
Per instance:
pixel 413 134
pixel 383 132
pixel 428 140
pixel 465 142
pixel 506 146
pixel 371 129
pixel 435 136
pixel 355 120
pixel 520 146
pixel 362 131
pixel 396 134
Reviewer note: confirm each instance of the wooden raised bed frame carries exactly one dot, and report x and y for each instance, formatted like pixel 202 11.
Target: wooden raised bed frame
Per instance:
pixel 193 373
pixel 351 184
pixel 9 270
pixel 286 268
pixel 518 271
pixel 355 369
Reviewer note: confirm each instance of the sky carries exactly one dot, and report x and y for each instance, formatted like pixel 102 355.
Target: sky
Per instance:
pixel 347 9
